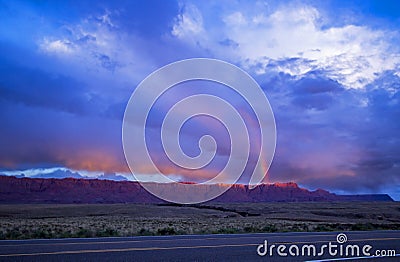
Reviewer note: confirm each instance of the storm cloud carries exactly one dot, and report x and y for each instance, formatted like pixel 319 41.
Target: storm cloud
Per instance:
pixel 67 72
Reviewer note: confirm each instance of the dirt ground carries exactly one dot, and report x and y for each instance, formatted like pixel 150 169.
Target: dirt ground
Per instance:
pixel 96 220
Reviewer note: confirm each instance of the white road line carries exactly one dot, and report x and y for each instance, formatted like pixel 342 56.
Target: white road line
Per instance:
pixel 121 250
pixel 180 247
pixel 135 240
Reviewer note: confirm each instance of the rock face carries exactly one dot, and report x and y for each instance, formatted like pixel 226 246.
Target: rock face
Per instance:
pixel 70 190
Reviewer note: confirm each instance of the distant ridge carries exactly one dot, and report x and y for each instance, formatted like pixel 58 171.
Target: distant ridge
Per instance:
pixel 71 190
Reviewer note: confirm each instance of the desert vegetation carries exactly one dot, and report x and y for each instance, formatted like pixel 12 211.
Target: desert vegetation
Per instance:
pixel 101 220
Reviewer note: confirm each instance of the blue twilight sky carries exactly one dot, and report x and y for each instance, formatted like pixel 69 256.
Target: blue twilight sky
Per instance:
pixel 331 71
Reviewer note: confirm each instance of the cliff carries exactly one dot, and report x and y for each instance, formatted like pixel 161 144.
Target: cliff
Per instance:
pixel 71 190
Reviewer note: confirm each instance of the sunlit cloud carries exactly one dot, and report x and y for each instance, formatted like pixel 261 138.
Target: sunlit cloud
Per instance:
pixel 353 55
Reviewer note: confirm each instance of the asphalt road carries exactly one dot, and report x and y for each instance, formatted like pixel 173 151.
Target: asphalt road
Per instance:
pixel 235 247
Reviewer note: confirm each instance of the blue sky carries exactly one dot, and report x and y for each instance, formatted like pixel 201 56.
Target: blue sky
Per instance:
pixel 330 69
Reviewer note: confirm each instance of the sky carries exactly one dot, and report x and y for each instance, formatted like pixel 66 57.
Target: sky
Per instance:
pixel 330 70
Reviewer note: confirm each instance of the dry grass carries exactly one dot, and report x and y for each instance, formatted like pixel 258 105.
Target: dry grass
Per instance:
pixel 58 221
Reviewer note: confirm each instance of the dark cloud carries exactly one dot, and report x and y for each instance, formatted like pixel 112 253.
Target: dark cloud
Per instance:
pixel 35 137
pixel 311 84
pixel 53 114
pixel 37 87
pixel 349 143
pixel 314 101
pixel 228 42
pixel 34 87
pixel 85 39
pixel 315 92
pixel 106 62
